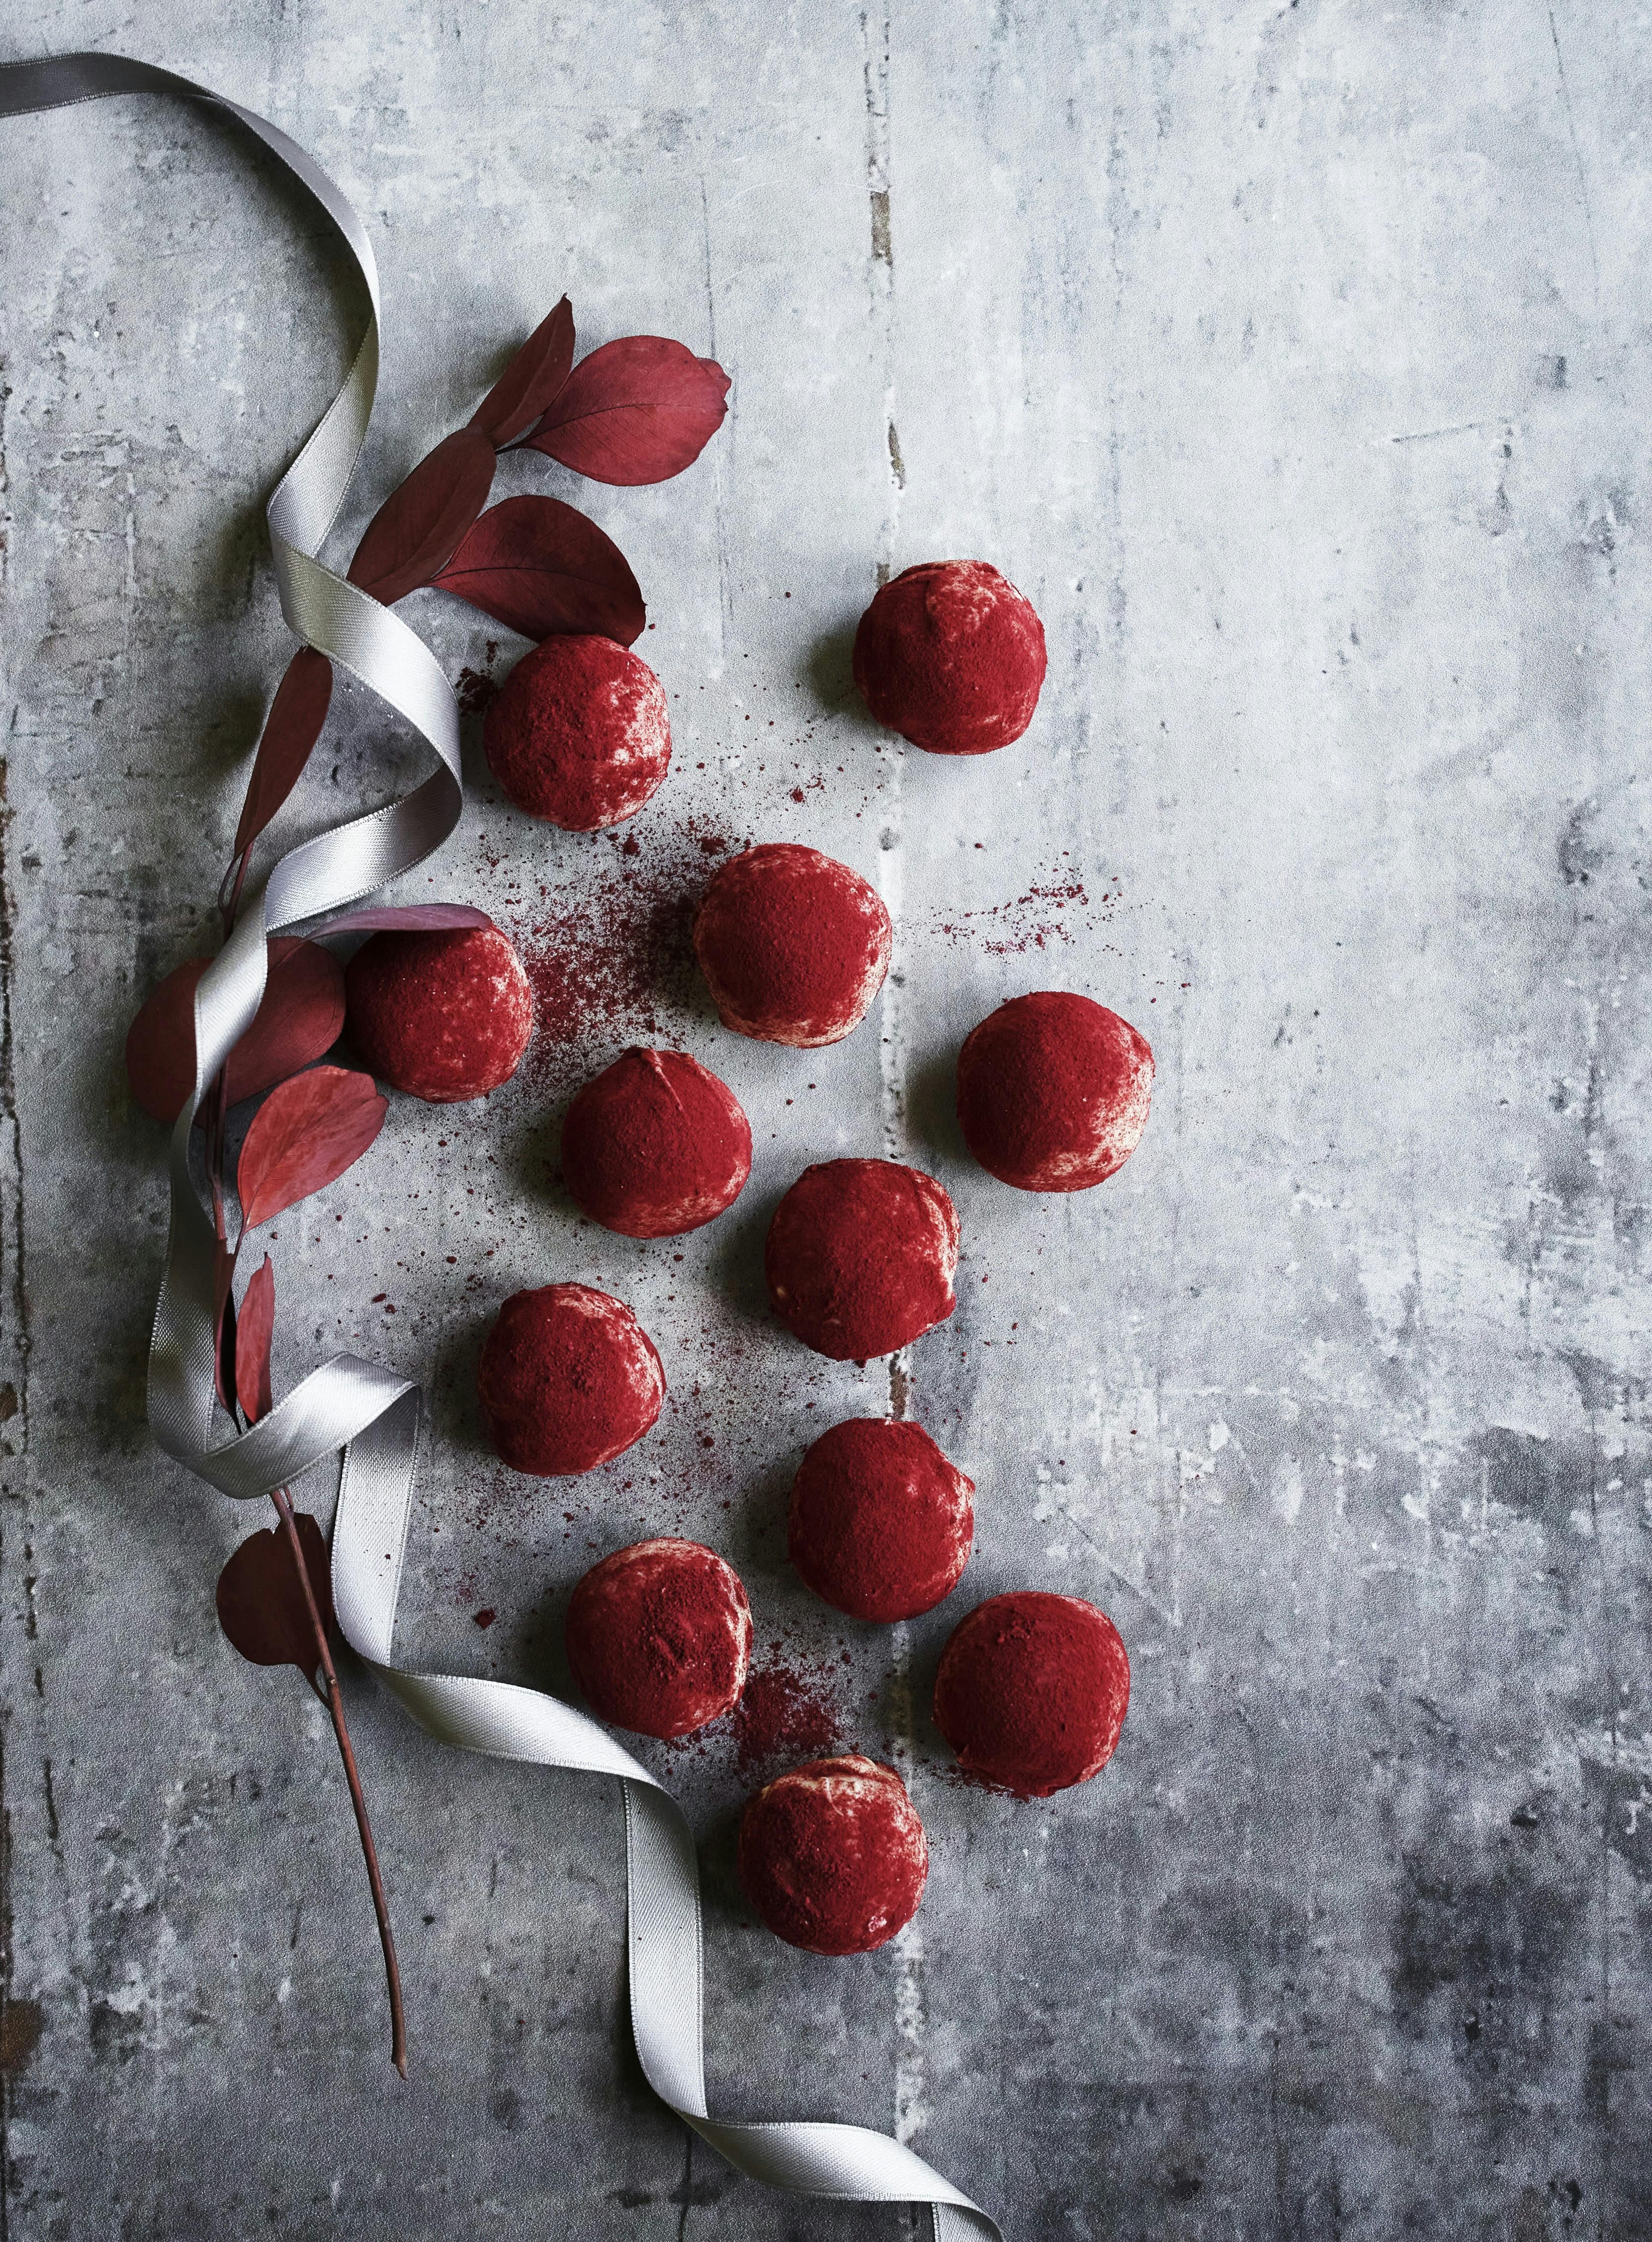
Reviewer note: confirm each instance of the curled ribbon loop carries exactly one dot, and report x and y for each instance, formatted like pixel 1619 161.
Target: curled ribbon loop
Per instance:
pixel 356 1406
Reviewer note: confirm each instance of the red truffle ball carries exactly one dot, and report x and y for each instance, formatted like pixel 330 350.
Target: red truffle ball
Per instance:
pixel 1031 1692
pixel 443 1017
pixel 655 1145
pixel 860 1257
pixel 952 656
pixel 793 944
pixel 568 1379
pixel 881 1523
pixel 1053 1092
pixel 832 1856
pixel 579 734
pixel 299 1018
pixel 658 1637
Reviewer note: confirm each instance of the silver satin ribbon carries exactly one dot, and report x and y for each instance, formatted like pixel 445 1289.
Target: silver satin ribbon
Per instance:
pixel 358 1406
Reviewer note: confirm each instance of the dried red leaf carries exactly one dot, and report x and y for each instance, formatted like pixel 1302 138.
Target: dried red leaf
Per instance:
pixel 417 527
pixel 290 730
pixel 541 568
pixel 254 1329
pixel 637 410
pixel 223 1320
pixel 300 1017
pixel 261 1598
pixel 409 918
pixel 530 380
pixel 304 1135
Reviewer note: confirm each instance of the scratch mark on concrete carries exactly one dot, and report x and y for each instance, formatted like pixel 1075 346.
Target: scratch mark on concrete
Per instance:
pixel 875 47
pixel 911 2072
pixel 896 466
pixel 1577 156
pixel 15 1439
pixel 1455 428
pixel 5 1995
pixel 725 592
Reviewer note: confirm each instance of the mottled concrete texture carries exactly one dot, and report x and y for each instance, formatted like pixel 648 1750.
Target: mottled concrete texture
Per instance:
pixel 1294 359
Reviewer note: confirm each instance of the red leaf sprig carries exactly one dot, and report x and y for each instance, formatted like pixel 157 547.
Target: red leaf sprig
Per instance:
pixel 302 1137
pixel 290 730
pixel 541 568
pixel 637 410
pixel 254 1330
pixel 416 529
pixel 409 918
pixel 300 1017
pixel 532 379
pixel 275 1606
pixel 261 1604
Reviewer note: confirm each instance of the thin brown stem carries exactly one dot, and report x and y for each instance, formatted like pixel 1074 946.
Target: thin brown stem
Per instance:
pixel 335 1706
pixel 231 909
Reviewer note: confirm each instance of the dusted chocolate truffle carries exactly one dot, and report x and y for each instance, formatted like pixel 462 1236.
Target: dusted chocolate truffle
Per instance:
pixel 952 656
pixel 1053 1092
pixel 793 944
pixel 568 1379
pixel 298 1019
pixel 655 1145
pixel 579 733
pixel 881 1523
pixel 443 1017
pixel 658 1637
pixel 860 1257
pixel 1031 1692
pixel 832 1856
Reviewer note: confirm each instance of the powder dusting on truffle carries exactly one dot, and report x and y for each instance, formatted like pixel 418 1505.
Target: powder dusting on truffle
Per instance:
pixel 952 656
pixel 833 1856
pixel 443 1017
pixel 568 1380
pixel 579 734
pixel 793 945
pixel 655 1145
pixel 880 1524
pixel 658 1637
pixel 1053 1092
pixel 860 1257
pixel 1031 1692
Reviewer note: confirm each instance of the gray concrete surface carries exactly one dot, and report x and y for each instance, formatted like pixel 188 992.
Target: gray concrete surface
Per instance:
pixel 1294 359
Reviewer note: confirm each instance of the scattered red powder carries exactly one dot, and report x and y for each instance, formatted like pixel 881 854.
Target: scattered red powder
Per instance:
pixel 1054 1092
pixel 568 1379
pixel 832 1856
pixel 298 1019
pixel 655 1145
pixel 443 1017
pixel 579 734
pixel 881 1524
pixel 793 944
pixel 476 687
pixel 1051 910
pixel 609 954
pixel 781 1713
pixel 860 1257
pixel 1031 1691
pixel 658 1637
pixel 475 691
pixel 950 655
